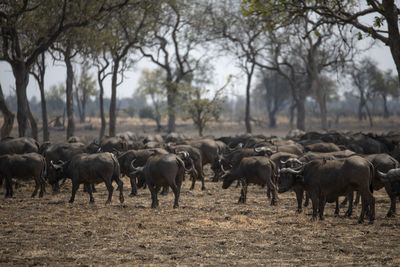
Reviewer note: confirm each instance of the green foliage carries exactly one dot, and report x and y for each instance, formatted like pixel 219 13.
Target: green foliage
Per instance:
pixel 197 107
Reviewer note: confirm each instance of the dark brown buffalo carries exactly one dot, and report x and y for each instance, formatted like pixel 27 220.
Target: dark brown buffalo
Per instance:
pixel 322 147
pixel 329 179
pixel 195 156
pixel 384 163
pixel 210 154
pixel 112 144
pixel 19 145
pixel 63 152
pixel 90 169
pixel 134 158
pixel 162 170
pixel 253 170
pixel 23 166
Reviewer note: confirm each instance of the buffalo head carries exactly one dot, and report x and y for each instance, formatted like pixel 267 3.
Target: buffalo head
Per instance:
pixel 288 177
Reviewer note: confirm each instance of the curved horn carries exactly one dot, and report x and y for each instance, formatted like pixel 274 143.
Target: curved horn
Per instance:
pixel 185 154
pixel 52 164
pixel 133 167
pixel 289 170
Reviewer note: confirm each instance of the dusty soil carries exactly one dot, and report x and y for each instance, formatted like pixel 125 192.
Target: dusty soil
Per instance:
pixel 209 228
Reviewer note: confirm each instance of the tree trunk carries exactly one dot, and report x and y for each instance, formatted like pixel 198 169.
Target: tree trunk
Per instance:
pixel 8 116
pixel 171 101
pixel 385 108
pixel 113 103
pixel 272 119
pixel 69 94
pixel 291 114
pixel 21 75
pixel 371 124
pixel 360 107
pixel 83 113
pixel 392 21
pixel 248 86
pixel 323 111
pixel 45 126
pixel 34 127
pixel 101 100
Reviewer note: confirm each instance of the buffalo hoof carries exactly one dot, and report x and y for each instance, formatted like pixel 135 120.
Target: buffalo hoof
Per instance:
pixel 336 214
pixel 274 202
pixel 299 210
pixel 360 221
pixel 121 199
pixel 176 206
pixel 132 194
pixel 347 214
pixel 390 214
pixel 370 222
pixel 191 188
pixel 314 219
pixel 108 202
pixel 203 188
pixel 71 201
pixel 91 201
pixel 214 180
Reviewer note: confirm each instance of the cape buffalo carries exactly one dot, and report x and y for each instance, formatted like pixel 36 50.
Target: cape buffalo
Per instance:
pixel 19 145
pixel 257 170
pixel 162 170
pixel 23 166
pixel 329 179
pixel 90 169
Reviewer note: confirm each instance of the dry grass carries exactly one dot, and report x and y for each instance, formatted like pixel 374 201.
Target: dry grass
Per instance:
pixel 208 228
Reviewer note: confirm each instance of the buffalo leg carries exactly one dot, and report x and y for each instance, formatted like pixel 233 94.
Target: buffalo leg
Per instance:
pixel 307 199
pixel 121 191
pixel 110 189
pixel 75 187
pixel 89 191
pixel 272 189
pixel 299 197
pixel 132 179
pixel 37 185
pixel 176 191
pixel 321 207
pixel 315 205
pixel 193 181
pixel 349 198
pixel 243 192
pixel 9 190
pixel 344 202
pixel 392 210
pixel 164 191
pixel 337 207
pixel 154 192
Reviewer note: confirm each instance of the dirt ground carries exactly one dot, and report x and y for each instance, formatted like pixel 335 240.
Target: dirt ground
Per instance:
pixel 209 228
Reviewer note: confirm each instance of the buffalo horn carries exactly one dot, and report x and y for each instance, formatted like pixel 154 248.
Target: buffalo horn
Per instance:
pixel 289 170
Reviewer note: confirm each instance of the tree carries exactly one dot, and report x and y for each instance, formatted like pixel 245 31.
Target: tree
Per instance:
pixel 362 78
pixel 242 36
pixel 384 26
pixel 152 83
pixel 27 30
pixel 302 48
pixel 38 71
pixel 85 89
pixel 276 93
pixel 8 116
pixel 385 84
pixel 200 109
pixel 174 46
pixel 54 97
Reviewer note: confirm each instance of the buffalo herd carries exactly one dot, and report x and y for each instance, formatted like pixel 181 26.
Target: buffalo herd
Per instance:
pixel 318 165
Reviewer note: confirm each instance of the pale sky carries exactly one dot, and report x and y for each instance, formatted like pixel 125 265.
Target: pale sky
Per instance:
pixel 223 68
